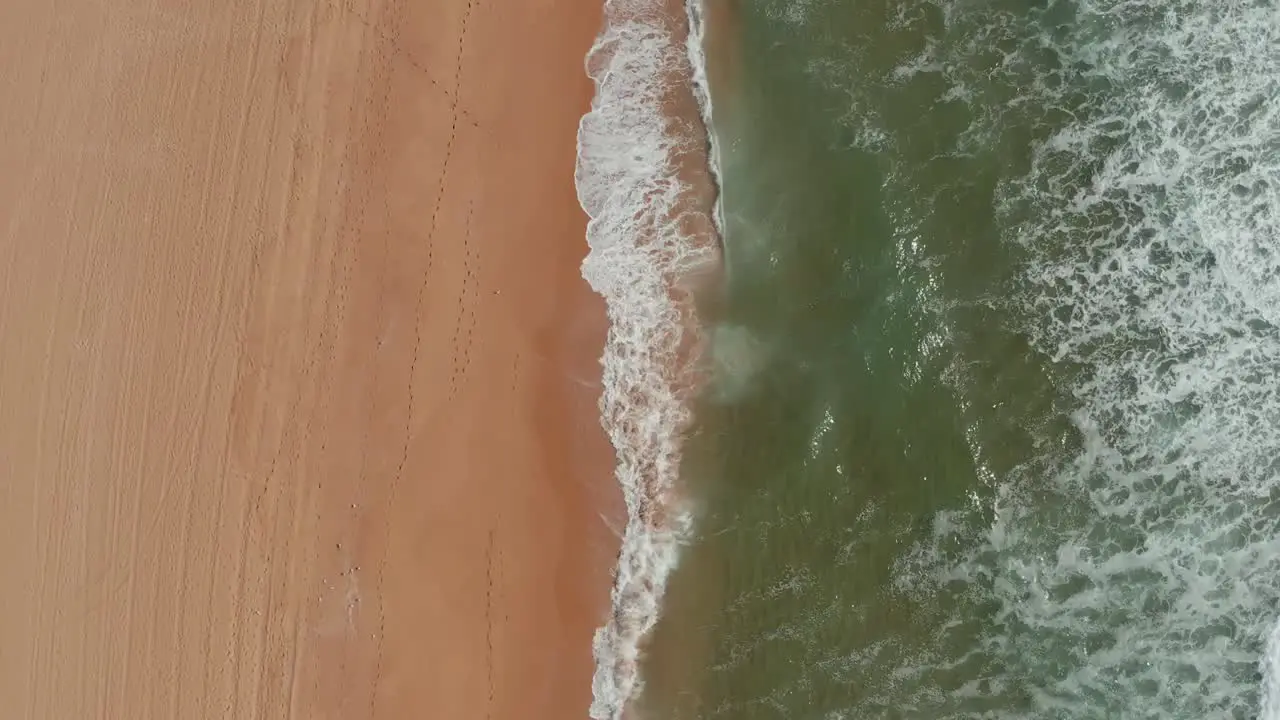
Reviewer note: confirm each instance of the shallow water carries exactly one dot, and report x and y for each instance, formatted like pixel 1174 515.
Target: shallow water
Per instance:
pixel 996 414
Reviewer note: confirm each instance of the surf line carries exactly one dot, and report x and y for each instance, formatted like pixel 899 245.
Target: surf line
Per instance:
pixel 647 179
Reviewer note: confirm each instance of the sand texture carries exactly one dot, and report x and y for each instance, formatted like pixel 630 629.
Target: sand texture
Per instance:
pixel 298 376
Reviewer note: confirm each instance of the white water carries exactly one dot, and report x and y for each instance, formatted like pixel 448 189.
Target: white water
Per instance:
pixel 629 184
pixel 1140 576
pixel 1271 677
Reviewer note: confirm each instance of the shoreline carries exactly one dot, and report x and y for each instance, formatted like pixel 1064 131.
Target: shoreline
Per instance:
pixel 646 178
pixel 300 378
pixel 678 648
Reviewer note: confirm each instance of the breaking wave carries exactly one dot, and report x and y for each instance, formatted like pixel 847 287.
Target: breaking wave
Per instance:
pixel 642 171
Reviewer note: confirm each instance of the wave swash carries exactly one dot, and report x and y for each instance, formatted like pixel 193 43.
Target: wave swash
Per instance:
pixel 631 153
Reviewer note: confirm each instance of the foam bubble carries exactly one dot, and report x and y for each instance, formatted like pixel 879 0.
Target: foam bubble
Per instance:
pixel 1270 671
pixel 1139 576
pixel 631 153
pixel 1135 573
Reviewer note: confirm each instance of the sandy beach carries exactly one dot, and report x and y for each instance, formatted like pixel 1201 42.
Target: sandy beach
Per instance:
pixel 298 374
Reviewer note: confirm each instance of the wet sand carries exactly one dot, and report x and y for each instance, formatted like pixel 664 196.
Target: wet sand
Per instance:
pixel 298 377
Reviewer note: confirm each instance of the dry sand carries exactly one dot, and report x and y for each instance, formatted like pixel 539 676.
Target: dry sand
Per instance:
pixel 298 377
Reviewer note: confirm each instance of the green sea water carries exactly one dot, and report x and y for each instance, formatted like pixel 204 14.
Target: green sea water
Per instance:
pixel 994 429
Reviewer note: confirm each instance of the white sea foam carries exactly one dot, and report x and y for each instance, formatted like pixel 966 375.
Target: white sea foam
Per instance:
pixel 1270 671
pixel 1148 587
pixel 1140 576
pixel 695 47
pixel 630 154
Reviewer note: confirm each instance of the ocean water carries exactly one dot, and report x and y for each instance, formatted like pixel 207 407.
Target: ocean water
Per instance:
pixel 992 427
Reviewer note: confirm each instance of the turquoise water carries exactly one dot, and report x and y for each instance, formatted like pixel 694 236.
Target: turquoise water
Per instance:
pixel 995 423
